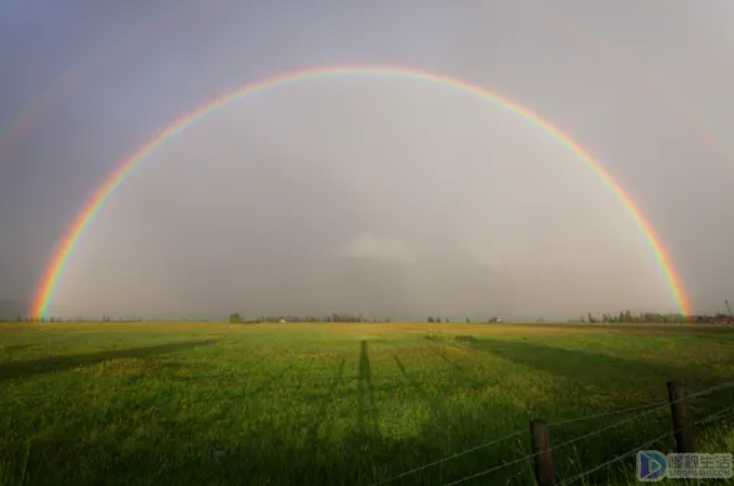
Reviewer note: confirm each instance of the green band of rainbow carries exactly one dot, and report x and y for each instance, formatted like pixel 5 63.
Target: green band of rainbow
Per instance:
pixel 55 270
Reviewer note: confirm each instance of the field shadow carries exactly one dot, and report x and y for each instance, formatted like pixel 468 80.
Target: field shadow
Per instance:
pixel 367 408
pixel 577 365
pixel 319 418
pixel 26 369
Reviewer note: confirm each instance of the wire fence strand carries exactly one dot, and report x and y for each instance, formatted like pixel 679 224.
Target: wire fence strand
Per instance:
pixel 492 469
pixel 721 414
pixel 510 436
pixel 645 409
pixel 615 459
pixel 710 418
pixel 720 386
pixel 591 434
pixel 449 458
pixel 608 414
pixel 555 448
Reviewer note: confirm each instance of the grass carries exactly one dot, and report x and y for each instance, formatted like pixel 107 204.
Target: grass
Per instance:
pixel 338 403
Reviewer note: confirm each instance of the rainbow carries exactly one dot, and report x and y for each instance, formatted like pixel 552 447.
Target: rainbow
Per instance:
pixel 55 269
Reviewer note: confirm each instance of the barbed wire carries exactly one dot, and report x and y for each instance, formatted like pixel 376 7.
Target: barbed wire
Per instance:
pixel 646 409
pixel 641 407
pixel 493 469
pixel 586 436
pixel 555 448
pixel 721 414
pixel 451 457
pixel 618 458
pixel 710 418
pixel 610 413
pixel 720 386
pixel 510 436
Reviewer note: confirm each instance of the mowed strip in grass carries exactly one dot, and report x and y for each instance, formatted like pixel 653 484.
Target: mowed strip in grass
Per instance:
pixel 182 403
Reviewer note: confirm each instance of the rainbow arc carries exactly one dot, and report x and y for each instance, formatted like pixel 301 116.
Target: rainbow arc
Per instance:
pixel 65 249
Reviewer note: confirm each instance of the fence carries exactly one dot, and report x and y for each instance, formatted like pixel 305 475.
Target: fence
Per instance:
pixel 683 429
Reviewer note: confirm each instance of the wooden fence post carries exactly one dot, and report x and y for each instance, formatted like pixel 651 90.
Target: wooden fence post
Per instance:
pixel 682 424
pixel 545 472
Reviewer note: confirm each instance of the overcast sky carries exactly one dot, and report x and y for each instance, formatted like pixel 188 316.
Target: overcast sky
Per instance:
pixel 381 195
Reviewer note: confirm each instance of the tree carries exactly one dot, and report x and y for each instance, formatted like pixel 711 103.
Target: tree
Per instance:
pixel 235 318
pixel 430 319
pixel 468 320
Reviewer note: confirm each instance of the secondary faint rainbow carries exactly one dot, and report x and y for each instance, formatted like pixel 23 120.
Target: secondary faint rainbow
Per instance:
pixel 55 269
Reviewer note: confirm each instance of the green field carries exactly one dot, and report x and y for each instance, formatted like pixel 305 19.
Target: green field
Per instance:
pixel 340 403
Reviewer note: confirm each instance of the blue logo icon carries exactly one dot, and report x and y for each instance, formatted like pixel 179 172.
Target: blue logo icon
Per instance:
pixel 651 466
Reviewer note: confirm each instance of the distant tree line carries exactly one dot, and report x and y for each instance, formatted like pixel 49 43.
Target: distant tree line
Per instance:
pixel 236 318
pixel 657 317
pixel 712 319
pixel 436 319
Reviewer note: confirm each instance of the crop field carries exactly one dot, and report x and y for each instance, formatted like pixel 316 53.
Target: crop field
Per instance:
pixel 267 404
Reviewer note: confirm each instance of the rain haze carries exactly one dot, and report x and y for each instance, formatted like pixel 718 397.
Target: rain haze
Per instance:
pixel 380 194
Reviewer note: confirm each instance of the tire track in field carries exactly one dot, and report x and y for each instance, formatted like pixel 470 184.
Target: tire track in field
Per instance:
pixel 465 376
pixel 313 429
pixel 437 409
